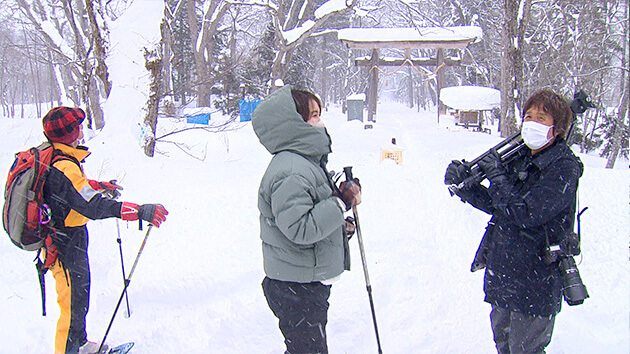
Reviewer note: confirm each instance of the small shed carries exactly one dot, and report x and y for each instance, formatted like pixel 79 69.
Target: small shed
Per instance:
pixel 471 103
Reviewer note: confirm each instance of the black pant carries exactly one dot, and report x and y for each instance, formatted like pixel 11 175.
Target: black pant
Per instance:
pixel 515 332
pixel 302 309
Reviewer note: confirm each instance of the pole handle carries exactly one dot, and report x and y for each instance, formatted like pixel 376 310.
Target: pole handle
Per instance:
pixel 348 172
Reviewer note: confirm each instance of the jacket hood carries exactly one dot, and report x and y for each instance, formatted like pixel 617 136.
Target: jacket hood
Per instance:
pixel 279 127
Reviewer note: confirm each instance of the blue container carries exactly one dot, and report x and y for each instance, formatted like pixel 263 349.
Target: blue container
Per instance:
pixel 199 119
pixel 246 108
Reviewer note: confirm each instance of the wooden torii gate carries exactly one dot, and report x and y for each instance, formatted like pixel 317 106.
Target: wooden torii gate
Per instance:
pixel 375 39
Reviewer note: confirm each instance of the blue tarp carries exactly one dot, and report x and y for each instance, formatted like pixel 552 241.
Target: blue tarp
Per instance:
pixel 246 108
pixel 199 119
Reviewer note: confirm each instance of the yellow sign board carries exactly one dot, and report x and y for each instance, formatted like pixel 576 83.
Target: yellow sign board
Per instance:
pixel 396 155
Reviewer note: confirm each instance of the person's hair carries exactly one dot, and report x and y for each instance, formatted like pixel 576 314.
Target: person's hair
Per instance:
pixel 301 99
pixel 553 104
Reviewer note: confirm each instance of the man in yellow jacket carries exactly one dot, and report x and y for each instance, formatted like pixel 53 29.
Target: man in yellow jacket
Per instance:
pixel 73 200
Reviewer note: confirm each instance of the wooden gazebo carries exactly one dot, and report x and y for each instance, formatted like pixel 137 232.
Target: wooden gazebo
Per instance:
pixel 375 39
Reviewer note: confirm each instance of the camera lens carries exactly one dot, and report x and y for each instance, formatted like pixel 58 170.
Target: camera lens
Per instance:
pixel 573 288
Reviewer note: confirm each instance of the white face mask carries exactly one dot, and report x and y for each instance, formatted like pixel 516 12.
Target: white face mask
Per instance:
pixel 318 124
pixel 535 134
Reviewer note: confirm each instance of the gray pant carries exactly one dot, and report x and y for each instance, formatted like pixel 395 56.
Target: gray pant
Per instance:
pixel 515 332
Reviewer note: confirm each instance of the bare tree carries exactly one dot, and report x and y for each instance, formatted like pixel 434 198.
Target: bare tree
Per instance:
pixel 294 22
pixel 202 34
pixel 80 70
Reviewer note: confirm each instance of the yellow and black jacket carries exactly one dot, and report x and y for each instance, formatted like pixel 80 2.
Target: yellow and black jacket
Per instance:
pixel 68 194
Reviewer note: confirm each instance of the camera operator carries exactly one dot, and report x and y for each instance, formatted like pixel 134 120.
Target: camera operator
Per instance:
pixel 532 201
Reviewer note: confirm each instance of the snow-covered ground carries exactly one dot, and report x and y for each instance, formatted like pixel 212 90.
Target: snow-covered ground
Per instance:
pixel 196 288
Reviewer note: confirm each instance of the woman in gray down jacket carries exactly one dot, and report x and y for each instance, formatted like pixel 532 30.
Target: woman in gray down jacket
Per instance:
pixel 304 242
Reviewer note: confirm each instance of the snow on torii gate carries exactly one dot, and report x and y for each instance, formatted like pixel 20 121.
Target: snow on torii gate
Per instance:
pixel 439 38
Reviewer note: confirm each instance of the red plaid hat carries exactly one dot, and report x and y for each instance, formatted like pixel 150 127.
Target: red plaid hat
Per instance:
pixel 61 124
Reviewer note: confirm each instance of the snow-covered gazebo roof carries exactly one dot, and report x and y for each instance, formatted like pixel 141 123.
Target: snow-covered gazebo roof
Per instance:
pixel 466 98
pixel 424 37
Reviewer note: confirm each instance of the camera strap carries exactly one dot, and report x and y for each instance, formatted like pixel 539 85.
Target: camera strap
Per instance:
pixel 547 244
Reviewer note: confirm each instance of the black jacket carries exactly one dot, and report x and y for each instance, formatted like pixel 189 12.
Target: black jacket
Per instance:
pixel 536 206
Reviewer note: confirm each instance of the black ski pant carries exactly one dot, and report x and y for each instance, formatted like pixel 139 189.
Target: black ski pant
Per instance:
pixel 515 332
pixel 302 310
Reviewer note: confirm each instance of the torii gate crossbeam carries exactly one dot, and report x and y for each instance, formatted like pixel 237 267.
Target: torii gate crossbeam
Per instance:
pixel 438 38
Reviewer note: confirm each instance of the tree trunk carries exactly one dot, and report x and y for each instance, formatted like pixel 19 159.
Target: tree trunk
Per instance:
pixel 203 97
pixel 100 50
pixel 153 63
pixel 616 144
pixel 278 69
pixel 167 45
pixel 507 123
pixel 203 43
pixel 512 63
pixel 624 104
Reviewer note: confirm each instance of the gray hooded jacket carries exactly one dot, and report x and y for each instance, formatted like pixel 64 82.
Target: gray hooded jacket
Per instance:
pixel 301 222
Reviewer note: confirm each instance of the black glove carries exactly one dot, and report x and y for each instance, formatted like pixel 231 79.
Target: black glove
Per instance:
pixel 350 193
pixel 492 166
pixel 456 173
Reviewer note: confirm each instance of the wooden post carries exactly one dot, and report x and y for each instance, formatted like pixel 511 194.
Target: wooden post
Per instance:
pixel 373 85
pixel 410 89
pixel 439 79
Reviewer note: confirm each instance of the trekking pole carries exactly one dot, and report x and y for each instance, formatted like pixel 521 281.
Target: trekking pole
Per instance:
pixel 127 281
pixel 348 173
pixel 122 263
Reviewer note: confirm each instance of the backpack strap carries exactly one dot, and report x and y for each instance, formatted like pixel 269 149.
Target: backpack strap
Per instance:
pixel 41 271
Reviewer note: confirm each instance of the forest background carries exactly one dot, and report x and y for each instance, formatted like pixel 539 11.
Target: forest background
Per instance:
pixel 213 53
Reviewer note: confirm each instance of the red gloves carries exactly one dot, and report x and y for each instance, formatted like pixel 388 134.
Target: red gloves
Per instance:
pixel 110 189
pixel 152 213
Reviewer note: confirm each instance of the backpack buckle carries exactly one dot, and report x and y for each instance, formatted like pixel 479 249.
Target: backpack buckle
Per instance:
pixel 44 214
